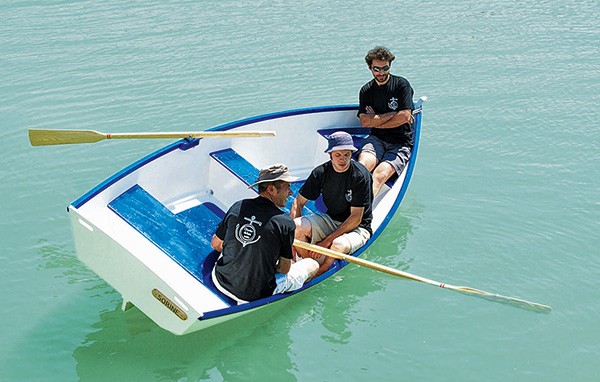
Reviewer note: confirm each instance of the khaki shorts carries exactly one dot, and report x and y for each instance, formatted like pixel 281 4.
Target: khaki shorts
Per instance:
pixel 299 272
pixel 322 225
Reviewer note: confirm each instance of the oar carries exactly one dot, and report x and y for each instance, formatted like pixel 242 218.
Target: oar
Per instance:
pixel 40 137
pixel 392 271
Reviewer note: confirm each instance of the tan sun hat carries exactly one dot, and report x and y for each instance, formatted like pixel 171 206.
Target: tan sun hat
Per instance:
pixel 273 173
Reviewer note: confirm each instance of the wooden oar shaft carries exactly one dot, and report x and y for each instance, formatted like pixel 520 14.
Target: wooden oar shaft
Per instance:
pixel 41 137
pixel 396 272
pixel 363 262
pixel 199 134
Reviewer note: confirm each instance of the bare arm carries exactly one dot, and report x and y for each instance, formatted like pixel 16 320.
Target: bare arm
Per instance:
pixel 296 210
pixel 216 243
pixel 387 120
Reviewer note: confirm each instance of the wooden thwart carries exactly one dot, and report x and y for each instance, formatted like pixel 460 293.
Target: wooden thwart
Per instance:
pixel 41 137
pixel 517 302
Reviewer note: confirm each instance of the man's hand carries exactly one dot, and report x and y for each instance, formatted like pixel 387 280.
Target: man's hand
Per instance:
pixel 317 255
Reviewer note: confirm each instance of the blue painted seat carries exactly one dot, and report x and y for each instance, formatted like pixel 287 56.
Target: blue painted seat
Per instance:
pixel 237 165
pixel 247 173
pixel 184 237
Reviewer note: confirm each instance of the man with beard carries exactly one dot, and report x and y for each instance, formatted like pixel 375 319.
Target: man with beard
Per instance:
pixel 385 106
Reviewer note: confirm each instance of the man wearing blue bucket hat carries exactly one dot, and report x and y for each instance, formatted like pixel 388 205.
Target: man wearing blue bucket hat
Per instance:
pixel 346 188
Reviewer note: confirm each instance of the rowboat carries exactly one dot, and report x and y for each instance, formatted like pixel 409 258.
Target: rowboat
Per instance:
pixel 146 230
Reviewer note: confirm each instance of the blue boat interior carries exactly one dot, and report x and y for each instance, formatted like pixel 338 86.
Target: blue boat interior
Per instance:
pixel 186 236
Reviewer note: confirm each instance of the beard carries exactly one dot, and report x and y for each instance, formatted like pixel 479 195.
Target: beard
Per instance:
pixel 382 78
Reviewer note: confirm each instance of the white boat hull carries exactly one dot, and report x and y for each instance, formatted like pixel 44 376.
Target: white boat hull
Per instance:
pixel 181 177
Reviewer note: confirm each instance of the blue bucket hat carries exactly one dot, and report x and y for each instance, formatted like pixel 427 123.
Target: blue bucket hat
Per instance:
pixel 340 140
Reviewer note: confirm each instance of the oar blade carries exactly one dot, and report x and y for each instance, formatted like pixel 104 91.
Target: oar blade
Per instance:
pixel 41 137
pixel 506 300
pixel 519 303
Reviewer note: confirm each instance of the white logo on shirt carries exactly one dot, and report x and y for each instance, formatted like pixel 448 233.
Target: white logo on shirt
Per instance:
pixel 246 234
pixel 348 196
pixel 393 104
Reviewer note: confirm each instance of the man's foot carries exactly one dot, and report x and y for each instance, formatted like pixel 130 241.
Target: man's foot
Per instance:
pixel 325 266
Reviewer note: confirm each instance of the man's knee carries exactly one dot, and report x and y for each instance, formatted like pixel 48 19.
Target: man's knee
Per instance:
pixel 303 227
pixel 303 270
pixel 368 160
pixel 340 245
pixel 311 266
pixel 383 172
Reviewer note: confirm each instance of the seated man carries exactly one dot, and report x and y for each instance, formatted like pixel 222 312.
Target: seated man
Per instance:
pixel 346 187
pixel 255 240
pixel 385 106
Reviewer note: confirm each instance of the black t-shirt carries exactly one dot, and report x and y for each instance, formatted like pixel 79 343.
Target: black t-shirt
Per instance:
pixel 395 95
pixel 255 234
pixel 352 188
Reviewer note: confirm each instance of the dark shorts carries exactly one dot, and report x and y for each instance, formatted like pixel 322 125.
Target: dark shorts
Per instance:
pixel 395 154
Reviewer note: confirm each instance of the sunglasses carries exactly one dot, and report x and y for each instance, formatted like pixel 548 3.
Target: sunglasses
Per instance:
pixel 378 69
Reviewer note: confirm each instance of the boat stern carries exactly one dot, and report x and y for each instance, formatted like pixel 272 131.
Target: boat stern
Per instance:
pixel 142 274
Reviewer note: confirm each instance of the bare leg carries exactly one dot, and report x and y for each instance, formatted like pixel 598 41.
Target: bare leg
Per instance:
pixel 338 246
pixel 382 173
pixel 303 233
pixel 368 160
pixel 325 266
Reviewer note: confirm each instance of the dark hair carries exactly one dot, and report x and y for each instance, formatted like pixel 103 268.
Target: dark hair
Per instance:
pixel 379 53
pixel 262 187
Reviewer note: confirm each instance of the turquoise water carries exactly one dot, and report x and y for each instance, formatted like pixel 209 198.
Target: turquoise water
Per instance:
pixel 505 196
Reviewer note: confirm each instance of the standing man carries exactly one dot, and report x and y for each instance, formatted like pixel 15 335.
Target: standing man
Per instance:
pixel 255 240
pixel 385 105
pixel 346 188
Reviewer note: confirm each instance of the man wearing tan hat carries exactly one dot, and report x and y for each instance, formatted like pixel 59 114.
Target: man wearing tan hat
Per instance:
pixel 346 187
pixel 255 240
